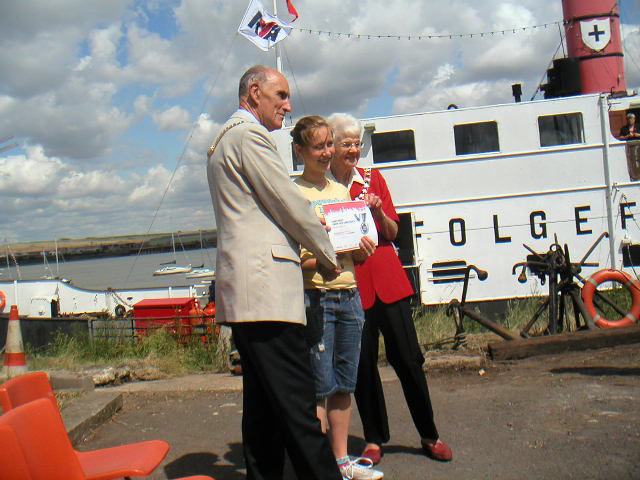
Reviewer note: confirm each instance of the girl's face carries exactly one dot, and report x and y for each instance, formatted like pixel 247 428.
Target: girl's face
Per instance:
pixel 319 151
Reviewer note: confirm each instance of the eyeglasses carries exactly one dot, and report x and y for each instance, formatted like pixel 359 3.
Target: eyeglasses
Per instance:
pixel 350 145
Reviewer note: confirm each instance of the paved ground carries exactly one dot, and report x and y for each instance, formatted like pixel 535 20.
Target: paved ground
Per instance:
pixel 574 415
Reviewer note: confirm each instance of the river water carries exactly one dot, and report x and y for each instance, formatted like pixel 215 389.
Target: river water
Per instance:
pixel 116 272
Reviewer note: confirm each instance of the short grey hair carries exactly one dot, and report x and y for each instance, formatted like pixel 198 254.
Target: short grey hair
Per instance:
pixel 342 123
pixel 631 115
pixel 257 73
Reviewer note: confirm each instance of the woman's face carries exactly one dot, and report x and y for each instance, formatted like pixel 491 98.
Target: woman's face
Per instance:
pixel 318 152
pixel 348 148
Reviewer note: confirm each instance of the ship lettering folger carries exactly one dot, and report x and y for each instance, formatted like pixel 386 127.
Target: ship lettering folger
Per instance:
pixel 537 221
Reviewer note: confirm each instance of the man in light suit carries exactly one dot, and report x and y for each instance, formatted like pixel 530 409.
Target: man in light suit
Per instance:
pixel 262 219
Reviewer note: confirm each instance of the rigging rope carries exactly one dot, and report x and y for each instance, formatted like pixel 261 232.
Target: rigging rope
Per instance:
pixel 293 76
pixel 184 150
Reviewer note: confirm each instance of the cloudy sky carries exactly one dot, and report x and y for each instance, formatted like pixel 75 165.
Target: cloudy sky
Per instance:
pixel 112 104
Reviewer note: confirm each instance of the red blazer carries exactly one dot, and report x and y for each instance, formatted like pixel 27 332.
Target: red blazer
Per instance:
pixel 381 274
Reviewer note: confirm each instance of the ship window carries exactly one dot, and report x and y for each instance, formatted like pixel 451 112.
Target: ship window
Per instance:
pixel 476 138
pixel 393 146
pixel 560 129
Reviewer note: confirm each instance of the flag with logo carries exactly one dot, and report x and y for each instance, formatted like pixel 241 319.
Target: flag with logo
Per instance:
pixel 263 29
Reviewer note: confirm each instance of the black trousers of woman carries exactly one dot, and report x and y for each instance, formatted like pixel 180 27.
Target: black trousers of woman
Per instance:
pixel 395 322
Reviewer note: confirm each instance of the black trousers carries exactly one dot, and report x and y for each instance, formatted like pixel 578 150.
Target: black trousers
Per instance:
pixel 395 323
pixel 279 404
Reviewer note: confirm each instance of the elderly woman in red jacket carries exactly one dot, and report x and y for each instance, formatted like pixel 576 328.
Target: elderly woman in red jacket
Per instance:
pixel 384 291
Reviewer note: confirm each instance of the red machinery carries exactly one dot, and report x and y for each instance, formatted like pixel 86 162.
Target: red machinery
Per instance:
pixel 175 313
pixel 182 317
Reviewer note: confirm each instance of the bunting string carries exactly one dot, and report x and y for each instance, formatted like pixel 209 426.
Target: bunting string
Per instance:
pixel 432 36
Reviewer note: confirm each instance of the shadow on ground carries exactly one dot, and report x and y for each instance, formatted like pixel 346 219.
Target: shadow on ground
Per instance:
pixel 599 371
pixel 206 463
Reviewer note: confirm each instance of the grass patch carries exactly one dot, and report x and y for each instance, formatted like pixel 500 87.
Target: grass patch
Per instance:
pixel 159 350
pixel 67 397
pixel 163 352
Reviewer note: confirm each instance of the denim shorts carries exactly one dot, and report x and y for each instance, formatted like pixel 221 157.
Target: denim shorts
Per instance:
pixel 335 319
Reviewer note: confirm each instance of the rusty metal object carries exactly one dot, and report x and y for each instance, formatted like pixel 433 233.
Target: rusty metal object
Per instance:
pixel 555 268
pixel 458 310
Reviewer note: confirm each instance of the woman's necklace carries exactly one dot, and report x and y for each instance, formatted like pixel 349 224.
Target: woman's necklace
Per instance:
pixel 367 181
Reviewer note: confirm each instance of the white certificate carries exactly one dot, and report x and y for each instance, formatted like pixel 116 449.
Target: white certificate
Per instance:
pixel 349 222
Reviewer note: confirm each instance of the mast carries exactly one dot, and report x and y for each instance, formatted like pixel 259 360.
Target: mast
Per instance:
pixel 57 265
pixel 278 56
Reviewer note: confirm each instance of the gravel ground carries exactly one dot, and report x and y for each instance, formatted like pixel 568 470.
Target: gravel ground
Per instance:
pixel 567 416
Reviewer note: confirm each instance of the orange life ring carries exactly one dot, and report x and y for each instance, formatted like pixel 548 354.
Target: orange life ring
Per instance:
pixel 3 300
pixel 589 288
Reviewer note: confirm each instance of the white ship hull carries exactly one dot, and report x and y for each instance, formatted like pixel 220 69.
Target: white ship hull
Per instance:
pixel 52 298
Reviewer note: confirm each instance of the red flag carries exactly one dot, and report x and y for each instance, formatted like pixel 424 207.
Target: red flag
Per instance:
pixel 265 28
pixel 292 10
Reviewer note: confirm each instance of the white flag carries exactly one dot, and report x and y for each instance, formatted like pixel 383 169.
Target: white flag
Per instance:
pixel 262 28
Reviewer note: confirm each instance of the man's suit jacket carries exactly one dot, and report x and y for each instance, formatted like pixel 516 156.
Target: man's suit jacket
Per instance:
pixel 262 218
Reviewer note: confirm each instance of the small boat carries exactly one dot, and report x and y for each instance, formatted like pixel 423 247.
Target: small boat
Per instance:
pixel 48 273
pixel 201 272
pixel 170 270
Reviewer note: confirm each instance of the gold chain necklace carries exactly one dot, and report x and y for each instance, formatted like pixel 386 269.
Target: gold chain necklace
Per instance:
pixel 213 146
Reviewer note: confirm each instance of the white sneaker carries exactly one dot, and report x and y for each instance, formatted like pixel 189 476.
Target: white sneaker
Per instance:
pixel 360 468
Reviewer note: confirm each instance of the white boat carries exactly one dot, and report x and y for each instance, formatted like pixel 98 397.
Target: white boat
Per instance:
pixel 172 269
pixel 201 273
pixel 52 298
pixel 47 268
pixel 472 185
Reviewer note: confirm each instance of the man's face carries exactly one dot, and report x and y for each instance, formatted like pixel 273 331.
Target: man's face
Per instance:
pixel 272 98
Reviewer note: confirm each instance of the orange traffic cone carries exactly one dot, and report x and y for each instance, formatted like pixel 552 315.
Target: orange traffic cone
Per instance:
pixel 14 360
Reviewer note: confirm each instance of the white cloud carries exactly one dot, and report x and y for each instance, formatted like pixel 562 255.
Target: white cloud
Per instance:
pixel 174 118
pixel 35 175
pixel 142 105
pixel 151 186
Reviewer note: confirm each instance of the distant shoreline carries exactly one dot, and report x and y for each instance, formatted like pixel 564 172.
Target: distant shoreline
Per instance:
pixel 26 253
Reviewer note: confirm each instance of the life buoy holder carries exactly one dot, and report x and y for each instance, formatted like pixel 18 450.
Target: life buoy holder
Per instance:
pixel 3 301
pixel 589 289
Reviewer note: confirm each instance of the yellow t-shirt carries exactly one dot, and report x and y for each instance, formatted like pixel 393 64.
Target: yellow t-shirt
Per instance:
pixel 331 192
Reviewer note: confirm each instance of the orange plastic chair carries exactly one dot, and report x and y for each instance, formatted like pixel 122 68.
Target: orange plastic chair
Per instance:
pixel 50 456
pixel 12 463
pixel 25 388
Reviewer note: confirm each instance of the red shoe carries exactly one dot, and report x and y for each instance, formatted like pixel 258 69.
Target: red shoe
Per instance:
pixel 437 451
pixel 373 454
